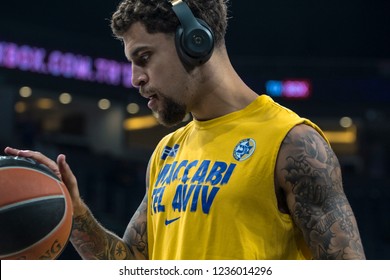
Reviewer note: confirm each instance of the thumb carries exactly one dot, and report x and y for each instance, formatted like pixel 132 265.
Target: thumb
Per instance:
pixel 68 178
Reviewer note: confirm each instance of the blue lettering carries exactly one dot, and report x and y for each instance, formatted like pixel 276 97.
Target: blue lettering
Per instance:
pixel 182 196
pixel 215 176
pixel 205 179
pixel 194 204
pixel 157 196
pixel 201 173
pixel 176 203
pixel 168 179
pixel 187 196
pixel 181 165
pixel 207 199
pixel 220 173
pixel 228 173
pixel 162 175
pixel 187 170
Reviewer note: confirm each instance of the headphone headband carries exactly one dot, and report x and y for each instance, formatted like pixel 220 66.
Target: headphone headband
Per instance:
pixel 194 38
pixel 187 20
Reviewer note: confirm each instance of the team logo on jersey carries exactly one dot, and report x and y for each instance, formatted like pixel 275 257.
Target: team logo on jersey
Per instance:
pixel 244 149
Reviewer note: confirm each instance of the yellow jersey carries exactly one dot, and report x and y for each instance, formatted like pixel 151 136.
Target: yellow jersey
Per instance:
pixel 212 194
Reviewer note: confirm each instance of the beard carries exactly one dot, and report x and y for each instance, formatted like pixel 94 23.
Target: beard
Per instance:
pixel 171 112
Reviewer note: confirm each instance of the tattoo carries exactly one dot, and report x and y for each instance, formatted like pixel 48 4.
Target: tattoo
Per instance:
pixel 318 204
pixel 92 241
pixel 136 232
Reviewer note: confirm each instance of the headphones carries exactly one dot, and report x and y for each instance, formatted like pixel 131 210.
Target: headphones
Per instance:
pixel 194 39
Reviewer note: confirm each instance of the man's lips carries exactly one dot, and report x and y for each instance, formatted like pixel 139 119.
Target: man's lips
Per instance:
pixel 147 94
pixel 152 104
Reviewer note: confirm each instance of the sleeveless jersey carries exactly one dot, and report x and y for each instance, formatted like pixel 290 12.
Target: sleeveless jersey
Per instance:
pixel 211 192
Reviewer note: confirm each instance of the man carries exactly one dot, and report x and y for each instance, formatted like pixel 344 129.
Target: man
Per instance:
pixel 246 179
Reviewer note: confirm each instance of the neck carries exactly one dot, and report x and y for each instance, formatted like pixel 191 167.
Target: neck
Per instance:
pixel 220 89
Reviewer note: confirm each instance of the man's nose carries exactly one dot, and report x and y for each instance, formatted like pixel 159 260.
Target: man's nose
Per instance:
pixel 139 77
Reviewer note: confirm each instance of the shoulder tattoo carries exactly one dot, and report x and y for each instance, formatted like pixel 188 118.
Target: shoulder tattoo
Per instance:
pixel 311 176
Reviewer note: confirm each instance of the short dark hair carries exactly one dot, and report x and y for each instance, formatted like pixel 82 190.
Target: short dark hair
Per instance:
pixel 157 16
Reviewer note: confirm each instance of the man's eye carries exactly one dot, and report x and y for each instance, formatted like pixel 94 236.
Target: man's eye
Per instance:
pixel 144 58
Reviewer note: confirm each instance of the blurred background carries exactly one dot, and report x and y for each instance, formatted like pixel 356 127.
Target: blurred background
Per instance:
pixel 65 87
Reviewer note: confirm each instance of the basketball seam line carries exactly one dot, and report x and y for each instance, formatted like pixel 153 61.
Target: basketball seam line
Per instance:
pixel 16 204
pixel 29 168
pixel 48 234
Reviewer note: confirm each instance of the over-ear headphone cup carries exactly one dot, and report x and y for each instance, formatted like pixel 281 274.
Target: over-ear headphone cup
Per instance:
pixel 195 46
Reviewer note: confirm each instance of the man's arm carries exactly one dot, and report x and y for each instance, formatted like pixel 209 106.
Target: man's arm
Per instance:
pixel 92 241
pixel 309 174
pixel 136 232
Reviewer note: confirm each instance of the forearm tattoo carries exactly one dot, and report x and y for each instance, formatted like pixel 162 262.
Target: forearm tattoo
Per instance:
pixel 319 206
pixel 136 232
pixel 93 242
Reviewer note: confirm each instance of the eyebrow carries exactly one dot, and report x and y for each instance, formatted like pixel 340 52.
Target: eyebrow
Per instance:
pixel 136 52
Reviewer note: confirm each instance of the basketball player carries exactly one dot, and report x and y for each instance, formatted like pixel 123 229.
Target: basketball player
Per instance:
pixel 246 179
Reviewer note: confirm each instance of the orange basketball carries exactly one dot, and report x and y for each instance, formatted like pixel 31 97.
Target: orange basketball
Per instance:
pixel 35 211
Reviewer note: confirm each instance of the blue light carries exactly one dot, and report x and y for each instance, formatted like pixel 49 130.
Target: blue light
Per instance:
pixel 274 88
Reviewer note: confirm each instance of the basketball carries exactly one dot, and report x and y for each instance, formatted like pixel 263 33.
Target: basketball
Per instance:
pixel 35 211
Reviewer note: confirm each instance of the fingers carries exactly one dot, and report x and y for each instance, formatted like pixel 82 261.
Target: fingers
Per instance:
pixel 37 156
pixel 11 151
pixel 60 168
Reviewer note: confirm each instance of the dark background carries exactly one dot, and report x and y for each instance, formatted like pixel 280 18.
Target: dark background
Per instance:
pixel 343 47
pixel 302 28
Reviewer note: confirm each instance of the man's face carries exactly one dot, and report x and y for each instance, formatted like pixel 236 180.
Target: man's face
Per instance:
pixel 158 73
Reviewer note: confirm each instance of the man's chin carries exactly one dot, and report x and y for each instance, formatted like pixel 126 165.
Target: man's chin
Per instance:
pixel 168 121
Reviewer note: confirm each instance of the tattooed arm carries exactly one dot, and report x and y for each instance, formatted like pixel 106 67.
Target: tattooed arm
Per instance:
pixel 308 176
pixel 92 241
